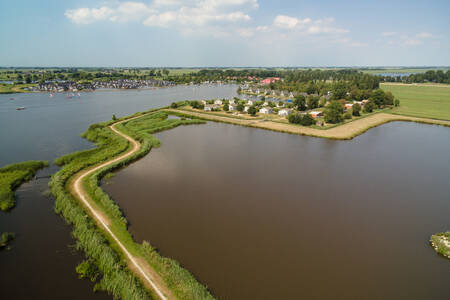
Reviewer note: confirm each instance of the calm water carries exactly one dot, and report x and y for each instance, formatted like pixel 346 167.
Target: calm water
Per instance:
pixel 41 264
pixel 264 215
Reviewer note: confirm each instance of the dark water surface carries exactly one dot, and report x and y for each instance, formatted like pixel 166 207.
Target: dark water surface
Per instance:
pixel 41 263
pixel 256 214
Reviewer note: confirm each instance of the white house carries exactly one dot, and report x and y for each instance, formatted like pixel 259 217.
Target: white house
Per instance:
pixel 203 102
pixel 250 102
pixel 282 94
pixel 266 110
pixel 246 108
pixel 232 107
pixel 266 103
pixel 291 95
pixel 218 102
pixel 284 112
pixel 208 108
pixel 231 101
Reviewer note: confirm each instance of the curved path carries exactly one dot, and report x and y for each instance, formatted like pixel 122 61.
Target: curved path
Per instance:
pixel 141 268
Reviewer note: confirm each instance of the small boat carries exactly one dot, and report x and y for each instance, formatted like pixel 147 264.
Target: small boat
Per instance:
pixel 51 95
pixel 79 95
pixel 11 98
pixel 20 108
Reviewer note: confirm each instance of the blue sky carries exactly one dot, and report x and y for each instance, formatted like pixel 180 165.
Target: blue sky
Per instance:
pixel 224 33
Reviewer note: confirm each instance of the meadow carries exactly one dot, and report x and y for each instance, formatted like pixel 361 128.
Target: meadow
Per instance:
pixel 426 101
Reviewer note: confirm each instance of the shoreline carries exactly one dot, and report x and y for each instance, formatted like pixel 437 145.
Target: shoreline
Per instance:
pixel 345 131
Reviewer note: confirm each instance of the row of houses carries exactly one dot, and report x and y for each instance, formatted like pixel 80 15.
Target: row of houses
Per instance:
pixel 63 86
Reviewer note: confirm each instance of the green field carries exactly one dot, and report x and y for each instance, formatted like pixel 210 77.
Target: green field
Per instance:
pixel 376 71
pixel 432 101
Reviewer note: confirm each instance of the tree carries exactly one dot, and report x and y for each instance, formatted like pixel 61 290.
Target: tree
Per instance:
pixel 174 105
pixel 378 97
pixel 356 109
pixel 114 117
pixel 226 107
pixel 312 101
pixel 347 115
pixel 388 98
pixel 252 110
pixel 165 72
pixel 333 112
pixel 307 120
pixel 397 102
pixel 339 90
pixel 240 107
pixel 369 107
pixel 239 90
pixel 300 102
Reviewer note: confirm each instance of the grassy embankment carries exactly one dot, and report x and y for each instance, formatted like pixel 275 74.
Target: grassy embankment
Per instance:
pixel 104 258
pixel 441 243
pixel 12 176
pixel 14 88
pixel 344 131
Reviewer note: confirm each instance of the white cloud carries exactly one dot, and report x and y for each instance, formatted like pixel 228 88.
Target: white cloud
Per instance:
pixel 88 15
pixel 388 33
pixel 285 22
pixel 406 40
pixel 424 35
pixel 188 16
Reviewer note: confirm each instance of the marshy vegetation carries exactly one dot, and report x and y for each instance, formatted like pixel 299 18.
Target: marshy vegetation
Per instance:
pixel 5 238
pixel 103 264
pixel 12 176
pixel 441 243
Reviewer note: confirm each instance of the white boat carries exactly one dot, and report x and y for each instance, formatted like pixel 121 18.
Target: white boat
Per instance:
pixel 20 108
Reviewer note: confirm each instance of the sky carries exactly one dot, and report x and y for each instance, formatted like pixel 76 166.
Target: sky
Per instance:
pixel 224 33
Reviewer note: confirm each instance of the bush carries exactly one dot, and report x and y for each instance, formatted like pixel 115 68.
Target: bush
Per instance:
pixel 356 108
pixel 369 107
pixel 252 110
pixel 173 105
pixel 307 120
pixel 347 115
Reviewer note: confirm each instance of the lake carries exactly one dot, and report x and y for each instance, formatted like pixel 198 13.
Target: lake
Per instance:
pixel 42 261
pixel 255 214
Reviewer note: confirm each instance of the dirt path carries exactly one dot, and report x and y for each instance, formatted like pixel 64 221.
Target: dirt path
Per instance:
pixel 341 132
pixel 148 276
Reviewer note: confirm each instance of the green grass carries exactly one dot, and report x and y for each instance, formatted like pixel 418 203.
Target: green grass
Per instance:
pixel 14 88
pixel 12 176
pixel 421 101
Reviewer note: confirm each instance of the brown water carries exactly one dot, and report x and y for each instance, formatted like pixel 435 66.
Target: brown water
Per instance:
pixel 256 214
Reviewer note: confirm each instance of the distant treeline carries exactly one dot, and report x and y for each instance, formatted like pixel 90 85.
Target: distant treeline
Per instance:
pixel 438 76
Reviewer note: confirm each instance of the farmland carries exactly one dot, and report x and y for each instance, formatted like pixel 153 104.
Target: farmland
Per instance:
pixel 426 101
